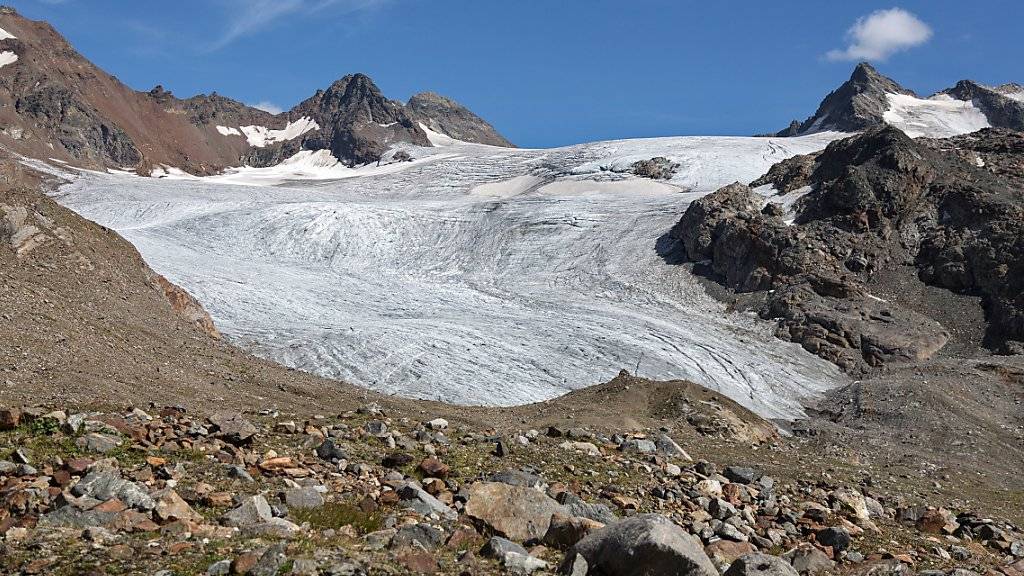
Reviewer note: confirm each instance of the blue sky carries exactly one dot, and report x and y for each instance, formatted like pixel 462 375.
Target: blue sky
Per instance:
pixel 550 72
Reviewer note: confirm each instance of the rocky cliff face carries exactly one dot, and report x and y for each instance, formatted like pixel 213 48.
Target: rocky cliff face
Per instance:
pixel 447 116
pixel 856 105
pixel 953 210
pixel 357 123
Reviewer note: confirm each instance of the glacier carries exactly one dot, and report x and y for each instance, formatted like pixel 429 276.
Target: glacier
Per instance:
pixel 472 275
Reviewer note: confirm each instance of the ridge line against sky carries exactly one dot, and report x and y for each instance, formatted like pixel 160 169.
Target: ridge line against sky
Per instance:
pixel 548 74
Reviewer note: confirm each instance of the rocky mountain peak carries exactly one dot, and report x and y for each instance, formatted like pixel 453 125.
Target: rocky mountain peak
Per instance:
pixel 1003 106
pixel 857 104
pixel 442 114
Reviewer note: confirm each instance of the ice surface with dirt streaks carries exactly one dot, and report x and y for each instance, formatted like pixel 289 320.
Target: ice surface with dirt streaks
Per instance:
pixel 474 275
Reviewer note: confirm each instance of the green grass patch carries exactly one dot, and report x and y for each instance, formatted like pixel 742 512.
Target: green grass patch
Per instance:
pixel 335 515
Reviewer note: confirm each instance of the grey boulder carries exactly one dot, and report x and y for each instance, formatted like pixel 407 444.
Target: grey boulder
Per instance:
pixel 643 545
pixel 758 564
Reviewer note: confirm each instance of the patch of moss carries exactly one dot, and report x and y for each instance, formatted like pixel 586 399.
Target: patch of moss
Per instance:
pixel 335 515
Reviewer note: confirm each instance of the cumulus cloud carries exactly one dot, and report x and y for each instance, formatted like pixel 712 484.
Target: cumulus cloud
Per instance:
pixel 248 17
pixel 881 34
pixel 268 107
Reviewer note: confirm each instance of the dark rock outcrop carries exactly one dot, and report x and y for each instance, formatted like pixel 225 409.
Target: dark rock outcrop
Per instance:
pixel 879 201
pixel 79 127
pixel 657 168
pixel 447 116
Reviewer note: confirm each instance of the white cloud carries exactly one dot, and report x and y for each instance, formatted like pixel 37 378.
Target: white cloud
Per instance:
pixel 251 16
pixel 268 107
pixel 881 34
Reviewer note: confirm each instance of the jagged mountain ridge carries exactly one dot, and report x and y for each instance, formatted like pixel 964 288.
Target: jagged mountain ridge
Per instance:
pixel 54 103
pixel 869 99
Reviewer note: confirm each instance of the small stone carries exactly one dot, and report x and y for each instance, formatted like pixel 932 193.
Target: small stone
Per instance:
pixel 497 547
pixel 758 564
pixel 808 560
pixel 10 418
pixel 438 424
pixel 233 428
pixel 376 428
pixel 170 507
pixel 240 473
pixel 270 562
pixel 837 538
pixel 741 474
pixel 96 442
pixel 640 446
pixel 396 460
pixel 423 535
pixel 103 485
pixel 330 451
pixel 219 568
pixel 304 498
pixel 565 531
pixel 522 564
pixel 253 510
pixel 434 468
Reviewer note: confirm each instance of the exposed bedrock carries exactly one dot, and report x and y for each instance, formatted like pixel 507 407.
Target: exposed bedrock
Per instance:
pixel 950 209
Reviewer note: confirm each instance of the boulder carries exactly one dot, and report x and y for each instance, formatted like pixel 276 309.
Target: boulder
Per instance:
pixel 639 546
pixel 809 561
pixel 513 512
pixel 232 427
pixel 330 451
pixel 565 531
pixel 415 497
pixel 170 507
pixel 758 564
pixel 252 511
pixel 105 485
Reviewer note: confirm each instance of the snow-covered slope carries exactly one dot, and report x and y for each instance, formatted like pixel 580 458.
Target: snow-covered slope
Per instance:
pixel 473 274
pixel 940 116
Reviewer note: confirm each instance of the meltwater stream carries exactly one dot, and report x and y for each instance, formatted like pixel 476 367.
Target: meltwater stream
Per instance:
pixel 474 275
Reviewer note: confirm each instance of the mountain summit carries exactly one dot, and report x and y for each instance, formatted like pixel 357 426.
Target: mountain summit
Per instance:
pixel 54 103
pixel 869 99
pixel 858 104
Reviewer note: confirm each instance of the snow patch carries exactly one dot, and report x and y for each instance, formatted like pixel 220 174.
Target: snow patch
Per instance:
pixel 787 201
pixel 7 57
pixel 170 173
pixel 5 35
pixel 940 116
pixel 1018 96
pixel 260 136
pixel 226 131
pixel 436 138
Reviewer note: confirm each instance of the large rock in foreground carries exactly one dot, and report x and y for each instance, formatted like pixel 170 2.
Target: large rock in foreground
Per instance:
pixel 514 512
pixel 644 545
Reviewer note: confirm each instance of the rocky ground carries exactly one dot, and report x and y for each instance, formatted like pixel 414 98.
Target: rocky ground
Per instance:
pixel 370 491
pixel 133 441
